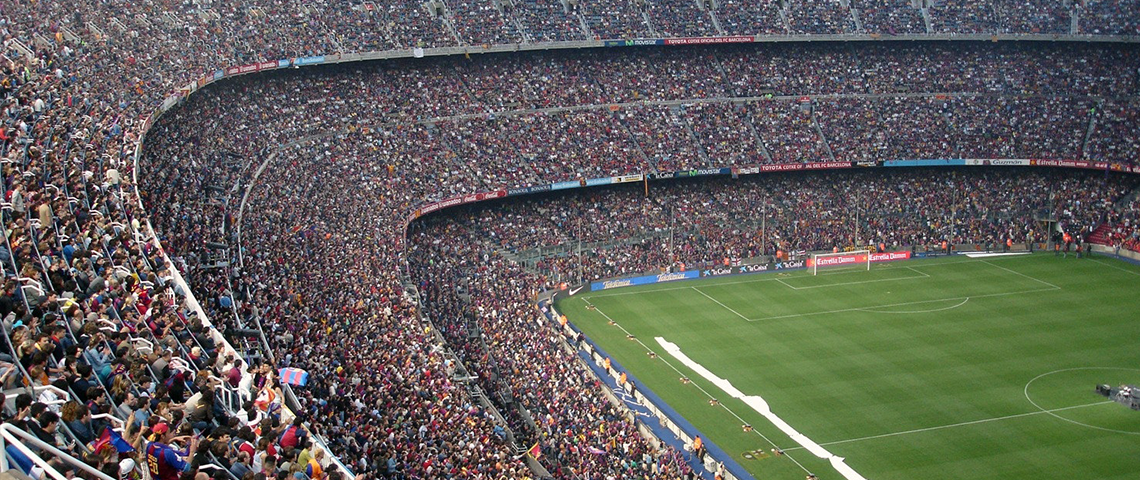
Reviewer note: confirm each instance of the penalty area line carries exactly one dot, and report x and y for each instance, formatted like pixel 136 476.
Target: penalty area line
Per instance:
pixel 721 304
pixel 920 302
pixel 962 424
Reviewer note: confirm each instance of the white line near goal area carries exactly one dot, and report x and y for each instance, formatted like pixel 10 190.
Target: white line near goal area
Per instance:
pixel 758 404
pixel 904 304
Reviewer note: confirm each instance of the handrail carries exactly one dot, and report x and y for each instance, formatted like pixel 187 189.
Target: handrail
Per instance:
pixel 63 396
pixel 116 420
pixel 318 441
pixel 11 434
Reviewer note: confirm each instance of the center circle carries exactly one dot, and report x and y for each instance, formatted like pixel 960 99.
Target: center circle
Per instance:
pixel 1052 412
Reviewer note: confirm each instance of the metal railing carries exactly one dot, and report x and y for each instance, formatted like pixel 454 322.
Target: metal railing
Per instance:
pixel 10 435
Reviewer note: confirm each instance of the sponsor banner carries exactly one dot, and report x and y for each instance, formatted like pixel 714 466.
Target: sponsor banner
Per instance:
pixel 460 200
pixel 857 258
pixel 599 181
pixel 640 42
pixel 283 63
pixel 248 68
pixel 757 268
pixel 1064 163
pixel 801 263
pixel 709 40
pixel 218 75
pixel 923 163
pixel 309 60
pixel 629 178
pixel 890 256
pixel 719 271
pixel 646 280
pixel 761 267
pixel 700 172
pixel 202 82
pixel 232 71
pixel 528 190
pixel 868 163
pixel 1007 162
pixel 479 197
pixel 747 170
pixel 267 65
pixel 838 260
pixel 565 185
pixel 787 167
pixel 1116 167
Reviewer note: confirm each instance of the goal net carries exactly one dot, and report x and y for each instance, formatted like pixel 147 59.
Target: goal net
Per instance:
pixel 857 259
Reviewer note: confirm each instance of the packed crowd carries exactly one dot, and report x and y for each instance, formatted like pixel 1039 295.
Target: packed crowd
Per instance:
pixel 484 306
pixel 751 17
pixel 1123 228
pixel 92 300
pixel 819 17
pixel 891 17
pixel 681 18
pixel 382 385
pixel 1108 17
pixel 974 127
pixel 700 223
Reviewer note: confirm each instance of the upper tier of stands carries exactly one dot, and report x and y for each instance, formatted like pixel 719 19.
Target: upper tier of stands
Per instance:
pixel 89 285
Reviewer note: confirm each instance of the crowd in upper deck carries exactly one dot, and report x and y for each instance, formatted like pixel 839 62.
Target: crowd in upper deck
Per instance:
pixel 94 309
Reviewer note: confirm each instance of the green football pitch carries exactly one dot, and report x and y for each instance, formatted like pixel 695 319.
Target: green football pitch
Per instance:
pixel 951 368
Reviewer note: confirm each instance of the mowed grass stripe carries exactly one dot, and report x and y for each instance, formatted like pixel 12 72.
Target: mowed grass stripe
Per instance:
pixel 860 373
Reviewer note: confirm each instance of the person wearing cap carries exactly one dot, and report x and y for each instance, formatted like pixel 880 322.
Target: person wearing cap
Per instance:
pixel 127 469
pixel 163 461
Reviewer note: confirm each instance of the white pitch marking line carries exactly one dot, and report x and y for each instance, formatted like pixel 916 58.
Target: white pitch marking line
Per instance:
pixel 754 280
pixel 861 282
pixel 962 424
pixel 1125 270
pixel 908 267
pixel 721 304
pixel 943 309
pixel 920 302
pixel 987 262
pixel 678 371
pixel 786 284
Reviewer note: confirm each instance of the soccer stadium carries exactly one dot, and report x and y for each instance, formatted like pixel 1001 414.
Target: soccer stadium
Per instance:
pixel 570 239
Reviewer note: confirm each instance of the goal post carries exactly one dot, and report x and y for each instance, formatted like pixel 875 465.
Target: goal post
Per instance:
pixel 857 258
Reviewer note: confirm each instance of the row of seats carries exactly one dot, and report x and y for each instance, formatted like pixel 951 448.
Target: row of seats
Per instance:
pixel 79 82
pixel 351 151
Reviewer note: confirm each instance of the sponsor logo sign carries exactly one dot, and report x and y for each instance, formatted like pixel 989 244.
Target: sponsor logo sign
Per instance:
pixel 526 190
pixel 890 256
pixel 645 280
pixel 709 40
pixel 309 60
pixel 629 178
pixel 787 167
pixel 718 271
pixel 763 267
pixel 791 264
pixel 999 162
